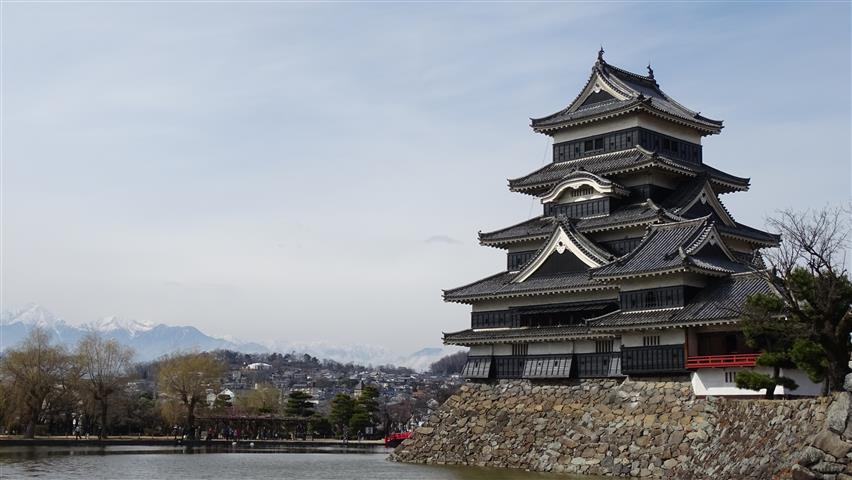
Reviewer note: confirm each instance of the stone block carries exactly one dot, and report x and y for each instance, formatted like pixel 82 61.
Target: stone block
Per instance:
pixel 831 443
pixel 835 417
pixel 827 467
pixel 801 473
pixel 811 456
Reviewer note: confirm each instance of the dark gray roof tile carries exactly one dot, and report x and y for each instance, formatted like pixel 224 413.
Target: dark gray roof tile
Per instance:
pixel 640 92
pixel 500 285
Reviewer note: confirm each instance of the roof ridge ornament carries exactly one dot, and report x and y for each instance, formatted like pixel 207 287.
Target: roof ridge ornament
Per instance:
pixel 600 55
pixel 650 71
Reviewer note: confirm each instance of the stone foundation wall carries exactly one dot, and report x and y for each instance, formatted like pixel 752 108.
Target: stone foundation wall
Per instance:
pixel 642 428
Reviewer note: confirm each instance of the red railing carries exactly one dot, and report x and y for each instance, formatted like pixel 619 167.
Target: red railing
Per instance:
pixel 711 361
pixel 394 439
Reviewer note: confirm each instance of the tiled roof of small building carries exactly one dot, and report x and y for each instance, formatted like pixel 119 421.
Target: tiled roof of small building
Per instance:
pixel 639 92
pixel 635 158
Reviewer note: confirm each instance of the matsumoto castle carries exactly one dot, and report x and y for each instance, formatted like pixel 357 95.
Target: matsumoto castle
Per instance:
pixel 634 267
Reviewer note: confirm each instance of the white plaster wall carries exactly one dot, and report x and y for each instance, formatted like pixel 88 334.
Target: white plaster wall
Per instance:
pixel 503 349
pixel 525 246
pixel 628 121
pixel 584 346
pixel 550 348
pixel 670 336
pixel 806 387
pixel 567 198
pixel 597 128
pixel 711 381
pixel 476 350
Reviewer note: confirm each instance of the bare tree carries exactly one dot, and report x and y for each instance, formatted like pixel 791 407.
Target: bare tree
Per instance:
pixel 104 368
pixel 187 377
pixel 34 372
pixel 809 271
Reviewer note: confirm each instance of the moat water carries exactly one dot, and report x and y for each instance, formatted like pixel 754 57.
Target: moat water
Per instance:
pixel 133 462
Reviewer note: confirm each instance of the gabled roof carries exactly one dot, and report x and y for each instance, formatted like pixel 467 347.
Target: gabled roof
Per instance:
pixel 579 178
pixel 564 238
pixel 623 161
pixel 612 91
pixel 674 247
pixel 721 301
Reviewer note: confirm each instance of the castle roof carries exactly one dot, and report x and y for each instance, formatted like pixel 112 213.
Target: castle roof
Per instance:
pixel 623 161
pixel 721 301
pixel 501 285
pixel 611 91
pixel 675 247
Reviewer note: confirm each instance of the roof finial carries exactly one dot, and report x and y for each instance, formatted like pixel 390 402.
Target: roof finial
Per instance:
pixel 650 71
pixel 600 54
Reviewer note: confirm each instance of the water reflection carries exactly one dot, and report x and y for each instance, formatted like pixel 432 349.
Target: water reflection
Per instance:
pixel 147 462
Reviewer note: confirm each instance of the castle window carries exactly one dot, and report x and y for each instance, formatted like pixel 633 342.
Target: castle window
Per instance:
pixel 599 143
pixel 519 349
pixel 730 377
pixel 650 299
pixel 651 341
pixel 604 346
pixel 588 145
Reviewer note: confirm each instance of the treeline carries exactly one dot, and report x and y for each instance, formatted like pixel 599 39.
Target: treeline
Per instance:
pixel 46 389
pixel 449 365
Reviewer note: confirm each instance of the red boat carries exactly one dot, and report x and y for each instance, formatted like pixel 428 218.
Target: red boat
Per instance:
pixel 392 440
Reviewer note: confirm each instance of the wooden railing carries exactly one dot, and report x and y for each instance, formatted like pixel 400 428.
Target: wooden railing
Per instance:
pixel 712 361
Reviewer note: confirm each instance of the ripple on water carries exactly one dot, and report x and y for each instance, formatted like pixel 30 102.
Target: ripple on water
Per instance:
pixel 130 462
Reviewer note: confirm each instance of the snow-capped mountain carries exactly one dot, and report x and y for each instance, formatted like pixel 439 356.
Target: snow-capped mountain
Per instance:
pixel 150 341
pixel 14 325
pixel 114 323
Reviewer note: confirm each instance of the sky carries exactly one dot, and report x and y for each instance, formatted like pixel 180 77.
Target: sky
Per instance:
pixel 301 172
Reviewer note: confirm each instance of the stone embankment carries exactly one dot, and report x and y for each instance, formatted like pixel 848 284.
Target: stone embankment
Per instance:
pixel 642 428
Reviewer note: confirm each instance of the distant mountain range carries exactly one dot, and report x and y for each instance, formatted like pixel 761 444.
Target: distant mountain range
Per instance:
pixel 151 341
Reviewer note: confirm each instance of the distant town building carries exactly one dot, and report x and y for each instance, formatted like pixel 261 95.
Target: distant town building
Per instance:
pixel 258 366
pixel 634 267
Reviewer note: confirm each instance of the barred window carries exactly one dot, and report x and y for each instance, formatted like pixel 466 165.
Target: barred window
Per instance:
pixel 604 346
pixel 651 341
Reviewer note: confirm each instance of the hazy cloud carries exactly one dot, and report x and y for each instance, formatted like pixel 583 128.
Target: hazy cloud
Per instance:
pixel 279 172
pixel 443 239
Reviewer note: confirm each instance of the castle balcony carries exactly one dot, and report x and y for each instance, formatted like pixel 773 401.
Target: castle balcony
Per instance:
pixel 722 361
pixel 652 360
pixel 598 365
